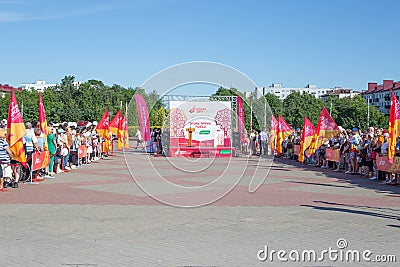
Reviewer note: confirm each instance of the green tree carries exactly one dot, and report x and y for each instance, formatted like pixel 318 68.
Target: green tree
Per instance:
pixel 296 106
pixel 274 103
pixel 353 112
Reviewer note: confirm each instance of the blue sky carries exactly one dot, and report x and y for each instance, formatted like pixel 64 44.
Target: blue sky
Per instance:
pixel 329 43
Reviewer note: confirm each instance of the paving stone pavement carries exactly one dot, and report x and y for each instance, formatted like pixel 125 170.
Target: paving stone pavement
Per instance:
pixel 97 215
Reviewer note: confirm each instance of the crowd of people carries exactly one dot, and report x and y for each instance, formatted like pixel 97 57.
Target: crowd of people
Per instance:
pixel 62 141
pixel 357 151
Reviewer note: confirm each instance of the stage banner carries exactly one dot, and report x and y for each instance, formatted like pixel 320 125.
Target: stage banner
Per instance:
pixel 383 164
pixel 332 154
pixel 241 128
pixel 40 160
pixel 208 123
pixel 82 151
pixel 296 149
pixel 143 115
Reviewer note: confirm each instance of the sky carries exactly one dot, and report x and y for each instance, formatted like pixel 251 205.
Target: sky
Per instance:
pixel 344 43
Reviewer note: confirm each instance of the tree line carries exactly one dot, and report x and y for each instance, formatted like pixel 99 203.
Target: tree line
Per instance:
pixel 69 102
pixel 347 112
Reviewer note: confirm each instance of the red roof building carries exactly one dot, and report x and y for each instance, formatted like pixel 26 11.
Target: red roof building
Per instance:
pixel 379 94
pixel 5 88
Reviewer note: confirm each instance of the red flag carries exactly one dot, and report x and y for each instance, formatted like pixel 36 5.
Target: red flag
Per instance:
pixel 16 131
pixel 123 136
pixel 102 129
pixel 394 127
pixel 241 128
pixel 326 129
pixel 283 131
pixel 306 137
pixel 143 115
pixel 42 120
pixel 114 124
pixel 273 129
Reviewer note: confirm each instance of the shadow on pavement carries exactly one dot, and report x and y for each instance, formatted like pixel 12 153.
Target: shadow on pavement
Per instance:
pixel 356 180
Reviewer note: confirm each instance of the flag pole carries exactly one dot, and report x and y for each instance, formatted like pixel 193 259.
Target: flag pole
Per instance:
pixel 126 139
pixel 368 112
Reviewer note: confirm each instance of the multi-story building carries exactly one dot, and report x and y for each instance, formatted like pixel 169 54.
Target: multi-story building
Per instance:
pixel 38 85
pixel 339 92
pixel 282 92
pixel 379 94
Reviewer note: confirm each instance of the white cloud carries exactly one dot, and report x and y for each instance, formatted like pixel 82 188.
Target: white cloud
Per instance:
pixel 52 13
pixel 11 16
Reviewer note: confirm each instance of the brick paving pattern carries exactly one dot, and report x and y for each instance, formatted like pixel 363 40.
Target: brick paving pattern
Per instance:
pixel 98 216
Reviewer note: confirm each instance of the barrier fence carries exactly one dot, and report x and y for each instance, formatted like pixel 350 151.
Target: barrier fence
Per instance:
pixel 332 154
pixel 40 160
pixel 382 162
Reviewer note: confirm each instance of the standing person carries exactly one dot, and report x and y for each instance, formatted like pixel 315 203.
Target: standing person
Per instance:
pixel 40 140
pixel 30 141
pixel 74 149
pixel 51 143
pixel 263 142
pixel 5 157
pixel 68 144
pixel 138 135
pixel 253 138
pixel 40 148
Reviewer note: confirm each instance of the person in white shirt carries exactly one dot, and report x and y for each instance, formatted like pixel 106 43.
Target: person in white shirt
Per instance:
pixel 263 140
pixel 138 135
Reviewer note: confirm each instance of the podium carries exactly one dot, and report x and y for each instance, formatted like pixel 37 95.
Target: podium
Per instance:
pixel 190 131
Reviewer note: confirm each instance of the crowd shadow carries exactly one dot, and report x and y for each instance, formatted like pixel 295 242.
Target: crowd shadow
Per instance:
pixel 354 211
pixel 380 212
pixel 355 180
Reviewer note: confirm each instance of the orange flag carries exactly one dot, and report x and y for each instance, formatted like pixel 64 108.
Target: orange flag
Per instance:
pixel 272 133
pixel 103 129
pixel 326 129
pixel 283 131
pixel 42 120
pixel 394 127
pixel 306 137
pixel 123 137
pixel 114 124
pixel 16 131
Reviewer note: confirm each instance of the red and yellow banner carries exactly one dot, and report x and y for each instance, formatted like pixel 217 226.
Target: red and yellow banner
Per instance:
pixel 306 137
pixel 272 133
pixel 283 131
pixel 326 129
pixel 383 164
pixel 16 131
pixel 42 120
pixel 332 154
pixel 114 124
pixel 103 129
pixel 394 127
pixel 40 160
pixel 123 136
